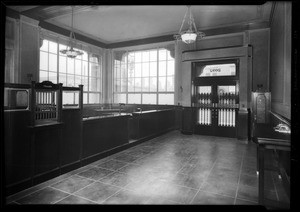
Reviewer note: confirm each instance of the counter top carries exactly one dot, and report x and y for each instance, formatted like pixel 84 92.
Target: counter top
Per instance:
pixel 149 111
pixel 106 116
pixel 265 134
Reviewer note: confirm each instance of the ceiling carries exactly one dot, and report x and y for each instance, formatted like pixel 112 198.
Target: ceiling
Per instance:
pixel 119 23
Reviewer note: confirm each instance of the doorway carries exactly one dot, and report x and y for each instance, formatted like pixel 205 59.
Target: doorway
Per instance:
pixel 215 98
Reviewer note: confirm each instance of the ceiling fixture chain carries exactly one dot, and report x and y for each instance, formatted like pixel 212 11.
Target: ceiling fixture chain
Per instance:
pixel 70 51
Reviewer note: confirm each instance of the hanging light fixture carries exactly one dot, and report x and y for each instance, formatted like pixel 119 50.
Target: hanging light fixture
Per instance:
pixel 70 51
pixel 191 34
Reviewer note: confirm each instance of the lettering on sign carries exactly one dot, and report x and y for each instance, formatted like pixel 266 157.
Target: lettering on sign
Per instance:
pixel 215 70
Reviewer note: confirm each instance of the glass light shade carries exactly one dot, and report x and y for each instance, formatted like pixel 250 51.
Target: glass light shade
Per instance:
pixel 71 53
pixel 189 37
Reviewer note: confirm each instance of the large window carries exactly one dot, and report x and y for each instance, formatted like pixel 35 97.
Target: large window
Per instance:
pixel 144 77
pixel 85 70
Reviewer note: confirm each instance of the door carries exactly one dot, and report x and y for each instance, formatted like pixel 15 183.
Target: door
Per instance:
pixel 215 101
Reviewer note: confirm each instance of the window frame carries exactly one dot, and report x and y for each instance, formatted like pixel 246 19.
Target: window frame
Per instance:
pixel 157 92
pixel 90 50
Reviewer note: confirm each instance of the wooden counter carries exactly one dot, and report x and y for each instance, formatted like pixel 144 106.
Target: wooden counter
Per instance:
pixel 267 138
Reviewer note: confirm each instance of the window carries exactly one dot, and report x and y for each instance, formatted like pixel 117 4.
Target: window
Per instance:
pixel 85 70
pixel 144 77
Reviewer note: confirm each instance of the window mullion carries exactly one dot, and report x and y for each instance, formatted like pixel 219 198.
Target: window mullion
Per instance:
pixel 157 74
pixel 127 78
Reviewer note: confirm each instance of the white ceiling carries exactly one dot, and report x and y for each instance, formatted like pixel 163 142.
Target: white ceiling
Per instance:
pixel 111 24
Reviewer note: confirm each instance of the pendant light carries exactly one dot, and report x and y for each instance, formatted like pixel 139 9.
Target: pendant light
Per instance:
pixel 191 34
pixel 70 51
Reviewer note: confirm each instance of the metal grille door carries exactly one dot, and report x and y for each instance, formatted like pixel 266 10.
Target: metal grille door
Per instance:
pixel 216 108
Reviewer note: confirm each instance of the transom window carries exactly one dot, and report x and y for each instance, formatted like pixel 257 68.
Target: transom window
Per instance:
pixel 144 77
pixel 85 70
pixel 217 70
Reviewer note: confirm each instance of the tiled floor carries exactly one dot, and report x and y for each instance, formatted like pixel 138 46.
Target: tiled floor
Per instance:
pixel 171 169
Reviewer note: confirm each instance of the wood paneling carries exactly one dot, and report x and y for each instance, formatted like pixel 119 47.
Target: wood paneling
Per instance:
pixel 71 137
pixel 102 134
pixel 17 146
pixel 259 39
pixel 280 59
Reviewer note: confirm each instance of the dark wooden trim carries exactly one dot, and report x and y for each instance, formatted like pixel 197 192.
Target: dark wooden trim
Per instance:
pixel 17 187
pixel 272 13
pixel 70 167
pixel 143 41
pixel 98 156
pixel 37 179
pixel 209 32
pixel 65 32
pixel 12 13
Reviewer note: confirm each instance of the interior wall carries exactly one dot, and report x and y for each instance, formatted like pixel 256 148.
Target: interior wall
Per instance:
pixel 280 59
pixel 29 50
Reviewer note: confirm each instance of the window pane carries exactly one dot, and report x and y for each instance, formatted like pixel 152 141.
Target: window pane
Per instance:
pixel 123 85
pixel 68 98
pixel 43 76
pixel 94 98
pixel 85 83
pixel 145 84
pixel 52 47
pixel 94 70
pixel 131 57
pixel 70 80
pixel 119 98
pixel 162 84
pixel 166 99
pixel 52 62
pixel 138 70
pixel 149 99
pixel 153 84
pixel 98 84
pixel 131 71
pixel 84 68
pixel 94 58
pixel 92 84
pixel 145 70
pixel 153 55
pixel 137 84
pixel 145 56
pixel 117 87
pixel 153 69
pixel 117 73
pixel 162 54
pixel 169 57
pixel 53 77
pixel 170 68
pixel 170 83
pixel 62 64
pixel 123 71
pixel 43 61
pixel 134 98
pixel 84 56
pixel 63 79
pixel 85 101
pixel 130 84
pixel 70 65
pixel 78 67
pixel 44 47
pixel 138 57
pixel 77 80
pixel 162 69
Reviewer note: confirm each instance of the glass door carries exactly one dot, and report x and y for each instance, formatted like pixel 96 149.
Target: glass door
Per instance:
pixel 215 99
